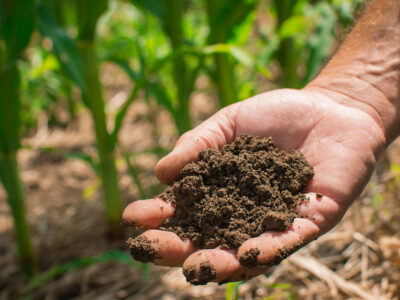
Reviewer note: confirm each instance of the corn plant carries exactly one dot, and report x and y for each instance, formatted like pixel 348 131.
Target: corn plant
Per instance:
pixel 223 18
pixel 79 60
pixel 188 56
pixel 304 34
pixel 17 23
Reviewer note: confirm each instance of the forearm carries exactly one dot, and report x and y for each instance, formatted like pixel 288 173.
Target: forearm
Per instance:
pixel 365 72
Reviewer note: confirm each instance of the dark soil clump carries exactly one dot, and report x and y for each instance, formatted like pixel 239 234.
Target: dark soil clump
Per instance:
pixel 238 192
pixel 141 249
pixel 249 258
pixel 206 274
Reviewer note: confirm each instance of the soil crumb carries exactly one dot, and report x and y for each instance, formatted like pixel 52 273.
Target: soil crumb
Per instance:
pixel 236 193
pixel 141 249
pixel 206 274
pixel 249 258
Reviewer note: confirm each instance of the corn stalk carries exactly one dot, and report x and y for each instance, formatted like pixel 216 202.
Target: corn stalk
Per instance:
pixel 286 55
pixel 88 13
pixel 174 29
pixel 80 63
pixel 223 17
pixel 16 27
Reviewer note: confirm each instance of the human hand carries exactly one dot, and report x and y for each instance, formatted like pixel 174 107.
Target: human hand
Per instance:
pixel 341 141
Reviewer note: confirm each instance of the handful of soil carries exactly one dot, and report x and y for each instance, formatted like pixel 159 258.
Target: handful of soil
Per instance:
pixel 238 192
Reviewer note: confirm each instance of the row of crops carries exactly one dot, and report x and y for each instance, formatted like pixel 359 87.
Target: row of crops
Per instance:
pixel 52 50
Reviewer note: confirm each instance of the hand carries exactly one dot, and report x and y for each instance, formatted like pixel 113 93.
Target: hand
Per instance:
pixel 338 139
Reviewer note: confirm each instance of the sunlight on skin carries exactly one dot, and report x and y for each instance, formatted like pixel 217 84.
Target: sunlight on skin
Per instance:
pixel 305 120
pixel 341 122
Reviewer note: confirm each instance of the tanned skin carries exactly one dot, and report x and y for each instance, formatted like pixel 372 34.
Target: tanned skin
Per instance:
pixel 342 121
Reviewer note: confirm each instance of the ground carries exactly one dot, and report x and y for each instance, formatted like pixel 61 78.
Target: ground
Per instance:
pixel 360 258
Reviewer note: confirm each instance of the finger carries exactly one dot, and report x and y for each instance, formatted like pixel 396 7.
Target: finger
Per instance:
pixel 215 132
pixel 210 265
pixel 148 214
pixel 323 211
pixel 160 247
pixel 272 247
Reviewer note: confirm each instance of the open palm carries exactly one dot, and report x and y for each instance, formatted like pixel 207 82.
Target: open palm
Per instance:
pixel 340 141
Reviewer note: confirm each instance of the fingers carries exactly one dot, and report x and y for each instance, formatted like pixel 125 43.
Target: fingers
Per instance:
pixel 160 247
pixel 215 132
pixel 323 211
pixel 208 265
pixel 254 257
pixel 148 214
pixel 272 247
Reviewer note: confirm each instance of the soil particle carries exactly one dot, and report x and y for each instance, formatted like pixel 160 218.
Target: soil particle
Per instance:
pixel 249 258
pixel 205 274
pixel 236 193
pixel 141 249
pixel 283 253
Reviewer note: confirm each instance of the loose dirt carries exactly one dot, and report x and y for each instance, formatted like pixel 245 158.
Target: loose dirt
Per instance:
pixel 236 193
pixel 233 194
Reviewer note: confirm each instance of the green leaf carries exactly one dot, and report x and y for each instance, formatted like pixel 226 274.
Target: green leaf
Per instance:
pixel 83 157
pixel 156 7
pixel 162 98
pixel 292 26
pixel 319 44
pixel 226 16
pixel 135 176
pixel 16 27
pixel 232 290
pixel 64 47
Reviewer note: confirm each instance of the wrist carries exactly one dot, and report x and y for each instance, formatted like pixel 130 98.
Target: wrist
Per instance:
pixel 350 90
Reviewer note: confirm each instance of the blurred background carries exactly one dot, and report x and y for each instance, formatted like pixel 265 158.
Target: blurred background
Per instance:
pixel 94 92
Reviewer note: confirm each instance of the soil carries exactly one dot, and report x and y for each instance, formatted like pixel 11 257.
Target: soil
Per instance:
pixel 141 249
pixel 238 192
pixel 205 275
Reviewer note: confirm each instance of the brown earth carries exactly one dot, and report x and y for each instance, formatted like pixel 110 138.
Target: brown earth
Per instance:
pixel 236 193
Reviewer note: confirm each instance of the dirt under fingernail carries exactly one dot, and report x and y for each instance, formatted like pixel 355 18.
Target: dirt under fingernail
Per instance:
pixel 238 192
pixel 205 274
pixel 141 249
pixel 249 258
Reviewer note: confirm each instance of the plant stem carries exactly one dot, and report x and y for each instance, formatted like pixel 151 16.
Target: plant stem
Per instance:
pixel 173 27
pixel 9 173
pixel 287 55
pixel 224 72
pixel 15 192
pixel 94 99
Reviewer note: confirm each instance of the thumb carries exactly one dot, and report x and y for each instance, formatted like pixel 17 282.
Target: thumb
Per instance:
pixel 216 131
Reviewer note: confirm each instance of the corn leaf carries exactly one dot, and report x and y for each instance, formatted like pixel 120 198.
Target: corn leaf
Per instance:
pixel 64 47
pixel 135 176
pixel 156 7
pixel 162 98
pixel 17 23
pixel 83 157
pixel 320 42
pixel 226 16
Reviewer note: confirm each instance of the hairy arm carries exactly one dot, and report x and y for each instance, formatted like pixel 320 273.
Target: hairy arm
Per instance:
pixel 366 69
